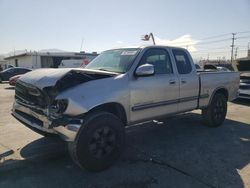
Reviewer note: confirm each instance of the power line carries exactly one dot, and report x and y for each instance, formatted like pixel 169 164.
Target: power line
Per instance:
pixel 215 36
pixel 244 37
pixel 199 41
pixel 215 41
pixel 202 43
pixel 244 46
pixel 212 48
pixel 220 50
pixel 223 51
pixel 222 35
pixel 243 32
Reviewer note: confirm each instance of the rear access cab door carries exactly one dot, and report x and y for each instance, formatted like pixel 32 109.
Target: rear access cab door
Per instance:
pixel 188 79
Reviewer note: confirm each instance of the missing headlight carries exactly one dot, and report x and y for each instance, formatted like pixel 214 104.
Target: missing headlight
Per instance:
pixel 59 106
pixel 34 91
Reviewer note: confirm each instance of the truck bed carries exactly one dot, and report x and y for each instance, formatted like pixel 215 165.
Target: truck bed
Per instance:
pixel 213 80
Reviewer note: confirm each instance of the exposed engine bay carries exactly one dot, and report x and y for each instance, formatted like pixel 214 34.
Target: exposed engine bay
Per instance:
pixel 43 97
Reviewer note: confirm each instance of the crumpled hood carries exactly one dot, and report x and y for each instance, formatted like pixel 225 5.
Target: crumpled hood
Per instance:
pixel 48 77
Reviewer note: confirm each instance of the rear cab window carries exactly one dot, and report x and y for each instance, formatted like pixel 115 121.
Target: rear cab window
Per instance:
pixel 183 63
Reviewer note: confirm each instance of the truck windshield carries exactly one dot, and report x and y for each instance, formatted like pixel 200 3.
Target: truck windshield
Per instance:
pixel 118 60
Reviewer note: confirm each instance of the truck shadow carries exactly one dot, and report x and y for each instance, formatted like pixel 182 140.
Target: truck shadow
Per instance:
pixel 179 152
pixel 245 102
pixel 10 88
pixel 46 147
pixel 209 155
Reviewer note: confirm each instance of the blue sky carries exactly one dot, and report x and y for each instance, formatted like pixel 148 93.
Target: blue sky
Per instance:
pixel 61 24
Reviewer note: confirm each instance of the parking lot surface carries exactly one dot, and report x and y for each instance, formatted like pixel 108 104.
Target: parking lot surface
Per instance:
pixel 175 152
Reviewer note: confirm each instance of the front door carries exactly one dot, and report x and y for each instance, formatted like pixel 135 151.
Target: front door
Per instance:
pixel 155 95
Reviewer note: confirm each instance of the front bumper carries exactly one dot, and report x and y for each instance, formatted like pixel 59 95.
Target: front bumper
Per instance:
pixel 66 127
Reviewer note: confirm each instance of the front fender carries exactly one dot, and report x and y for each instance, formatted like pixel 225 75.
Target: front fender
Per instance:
pixel 87 96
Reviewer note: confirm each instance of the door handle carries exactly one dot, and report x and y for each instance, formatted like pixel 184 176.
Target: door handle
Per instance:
pixel 183 81
pixel 171 81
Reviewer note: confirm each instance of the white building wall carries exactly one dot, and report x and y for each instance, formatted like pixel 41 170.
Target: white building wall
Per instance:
pixel 25 61
pixel 36 61
pixel 28 61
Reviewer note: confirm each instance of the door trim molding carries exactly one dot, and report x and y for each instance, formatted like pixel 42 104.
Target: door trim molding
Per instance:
pixel 169 102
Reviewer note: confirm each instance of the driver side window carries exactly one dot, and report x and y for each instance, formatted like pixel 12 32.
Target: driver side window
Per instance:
pixel 160 59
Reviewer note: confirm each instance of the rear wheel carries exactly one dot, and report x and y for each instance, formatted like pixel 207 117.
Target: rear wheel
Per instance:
pixel 1 80
pixel 214 115
pixel 99 141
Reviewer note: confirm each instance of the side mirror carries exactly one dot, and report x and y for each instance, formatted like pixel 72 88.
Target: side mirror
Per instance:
pixel 145 70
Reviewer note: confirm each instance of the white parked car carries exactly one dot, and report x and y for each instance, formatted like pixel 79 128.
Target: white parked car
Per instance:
pixel 222 69
pixel 243 66
pixel 244 91
pixel 76 63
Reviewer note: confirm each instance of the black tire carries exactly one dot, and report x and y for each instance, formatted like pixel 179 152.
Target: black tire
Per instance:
pixel 214 115
pixel 1 79
pixel 99 141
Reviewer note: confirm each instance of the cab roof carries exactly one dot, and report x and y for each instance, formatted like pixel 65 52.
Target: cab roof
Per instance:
pixel 148 46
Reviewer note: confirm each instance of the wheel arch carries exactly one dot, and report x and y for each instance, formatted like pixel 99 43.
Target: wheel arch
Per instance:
pixel 221 90
pixel 112 107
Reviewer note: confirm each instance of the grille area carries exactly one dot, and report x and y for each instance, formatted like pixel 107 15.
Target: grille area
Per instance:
pixel 30 118
pixel 29 95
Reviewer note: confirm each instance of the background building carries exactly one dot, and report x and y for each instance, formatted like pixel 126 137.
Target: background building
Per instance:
pixel 34 60
pixel 2 62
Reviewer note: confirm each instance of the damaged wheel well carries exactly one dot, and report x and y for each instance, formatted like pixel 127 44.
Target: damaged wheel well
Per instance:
pixel 114 108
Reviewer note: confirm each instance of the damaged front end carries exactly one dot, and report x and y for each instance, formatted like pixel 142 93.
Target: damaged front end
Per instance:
pixel 38 108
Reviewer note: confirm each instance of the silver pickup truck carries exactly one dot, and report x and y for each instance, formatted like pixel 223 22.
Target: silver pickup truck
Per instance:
pixel 89 108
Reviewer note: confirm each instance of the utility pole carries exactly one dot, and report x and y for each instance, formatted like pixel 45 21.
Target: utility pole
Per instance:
pixel 81 45
pixel 232 50
pixel 235 55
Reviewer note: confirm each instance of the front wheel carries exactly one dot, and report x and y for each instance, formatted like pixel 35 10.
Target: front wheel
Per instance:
pixel 214 115
pixel 99 141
